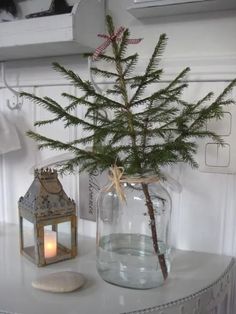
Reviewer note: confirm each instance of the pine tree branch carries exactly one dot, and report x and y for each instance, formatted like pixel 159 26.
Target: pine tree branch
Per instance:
pixel 150 67
pixel 47 142
pixel 129 58
pixel 104 73
pixel 226 91
pixel 179 78
pixel 102 57
pixel 130 66
pixel 76 80
pixel 99 104
pixel 143 132
pixel 44 122
pixel 123 44
pixel 45 102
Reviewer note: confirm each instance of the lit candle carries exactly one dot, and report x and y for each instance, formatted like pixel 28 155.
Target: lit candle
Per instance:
pixel 50 244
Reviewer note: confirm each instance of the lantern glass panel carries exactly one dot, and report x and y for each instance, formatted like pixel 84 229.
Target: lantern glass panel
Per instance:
pixel 64 235
pixel 27 239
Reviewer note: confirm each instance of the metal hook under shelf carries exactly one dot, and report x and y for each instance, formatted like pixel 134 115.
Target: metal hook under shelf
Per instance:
pixel 16 105
pixel 95 85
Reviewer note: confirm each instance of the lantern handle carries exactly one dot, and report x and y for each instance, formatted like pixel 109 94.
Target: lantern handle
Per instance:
pixel 47 190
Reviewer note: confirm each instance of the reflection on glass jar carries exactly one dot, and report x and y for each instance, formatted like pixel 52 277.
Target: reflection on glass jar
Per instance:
pixel 133 236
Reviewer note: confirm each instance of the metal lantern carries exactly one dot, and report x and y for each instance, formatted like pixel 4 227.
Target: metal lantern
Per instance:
pixel 48 223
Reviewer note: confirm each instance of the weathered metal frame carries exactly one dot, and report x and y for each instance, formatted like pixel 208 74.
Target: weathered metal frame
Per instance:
pixel 36 254
pixel 46 204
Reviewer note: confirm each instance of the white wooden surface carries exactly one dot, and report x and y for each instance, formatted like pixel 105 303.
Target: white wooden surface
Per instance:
pixel 198 283
pixel 145 9
pixel 54 35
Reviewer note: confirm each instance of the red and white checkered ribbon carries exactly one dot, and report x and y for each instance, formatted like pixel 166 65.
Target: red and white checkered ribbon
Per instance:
pixel 109 39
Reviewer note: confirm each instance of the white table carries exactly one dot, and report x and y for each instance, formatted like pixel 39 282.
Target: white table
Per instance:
pixel 199 283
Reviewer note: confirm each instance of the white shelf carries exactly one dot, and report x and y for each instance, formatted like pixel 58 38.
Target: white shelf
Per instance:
pixel 198 283
pixel 153 8
pixel 54 35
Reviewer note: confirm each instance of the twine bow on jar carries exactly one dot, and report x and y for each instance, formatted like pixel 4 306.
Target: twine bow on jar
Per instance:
pixel 117 177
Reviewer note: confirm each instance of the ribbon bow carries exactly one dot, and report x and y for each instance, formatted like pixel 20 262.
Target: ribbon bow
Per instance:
pixel 109 39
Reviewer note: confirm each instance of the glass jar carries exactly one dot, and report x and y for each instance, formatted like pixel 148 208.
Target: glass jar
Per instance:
pixel 133 235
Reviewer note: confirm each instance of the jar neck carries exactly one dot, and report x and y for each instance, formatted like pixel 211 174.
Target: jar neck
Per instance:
pixel 146 178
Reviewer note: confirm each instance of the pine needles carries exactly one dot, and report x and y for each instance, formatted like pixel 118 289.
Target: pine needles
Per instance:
pixel 143 130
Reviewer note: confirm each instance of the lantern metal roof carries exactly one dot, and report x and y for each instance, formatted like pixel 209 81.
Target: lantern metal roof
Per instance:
pixel 46 197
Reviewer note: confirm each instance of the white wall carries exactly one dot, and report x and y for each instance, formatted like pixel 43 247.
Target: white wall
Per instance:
pixel 208 34
pixel 204 213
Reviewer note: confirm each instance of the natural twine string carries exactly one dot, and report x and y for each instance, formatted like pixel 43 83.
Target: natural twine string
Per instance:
pixel 116 177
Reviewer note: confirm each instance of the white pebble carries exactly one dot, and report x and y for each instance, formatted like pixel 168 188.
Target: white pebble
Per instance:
pixel 65 281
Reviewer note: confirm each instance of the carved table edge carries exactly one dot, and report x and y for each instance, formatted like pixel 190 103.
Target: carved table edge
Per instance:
pixel 187 298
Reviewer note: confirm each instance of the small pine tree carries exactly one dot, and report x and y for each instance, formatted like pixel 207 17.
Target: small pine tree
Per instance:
pixel 143 132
